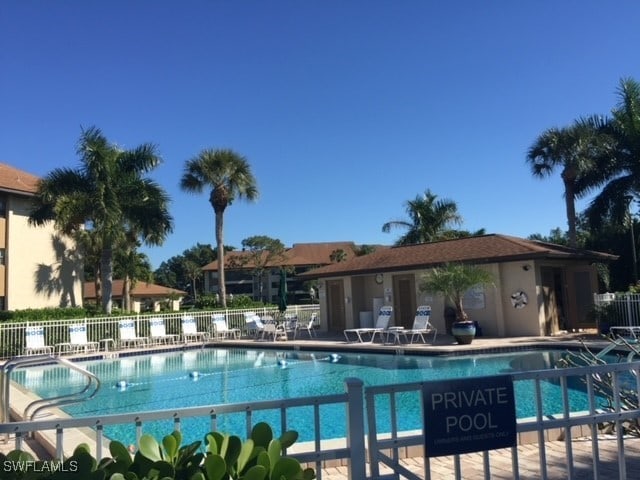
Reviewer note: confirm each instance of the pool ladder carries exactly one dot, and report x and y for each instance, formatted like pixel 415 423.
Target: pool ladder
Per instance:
pixel 89 391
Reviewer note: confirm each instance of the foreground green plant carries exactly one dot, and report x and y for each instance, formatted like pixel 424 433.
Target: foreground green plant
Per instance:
pixel 224 457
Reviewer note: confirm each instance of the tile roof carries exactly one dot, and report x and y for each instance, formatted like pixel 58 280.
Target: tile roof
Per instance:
pixel 480 249
pixel 14 180
pixel 300 254
pixel 141 289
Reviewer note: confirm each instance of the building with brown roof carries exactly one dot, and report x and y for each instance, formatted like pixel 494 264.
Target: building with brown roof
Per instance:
pixel 38 266
pixel 145 297
pixel 539 288
pixel 240 278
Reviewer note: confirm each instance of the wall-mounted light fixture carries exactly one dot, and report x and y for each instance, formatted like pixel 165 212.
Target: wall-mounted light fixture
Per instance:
pixel 526 267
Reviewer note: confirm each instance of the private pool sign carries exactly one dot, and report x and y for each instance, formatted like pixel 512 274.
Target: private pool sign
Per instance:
pixel 469 415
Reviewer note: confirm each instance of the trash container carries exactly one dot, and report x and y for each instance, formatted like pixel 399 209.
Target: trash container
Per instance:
pixel 449 318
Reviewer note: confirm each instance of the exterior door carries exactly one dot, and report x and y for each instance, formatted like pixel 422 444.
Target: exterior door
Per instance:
pixel 335 306
pixel 404 300
pixel 553 298
pixel 581 284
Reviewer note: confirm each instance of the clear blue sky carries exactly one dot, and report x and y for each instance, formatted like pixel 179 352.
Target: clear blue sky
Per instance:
pixel 345 109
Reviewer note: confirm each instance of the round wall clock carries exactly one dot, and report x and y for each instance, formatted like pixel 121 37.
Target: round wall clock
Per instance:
pixel 379 278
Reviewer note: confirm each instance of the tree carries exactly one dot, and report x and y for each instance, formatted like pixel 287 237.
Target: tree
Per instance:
pixel 338 255
pixel 452 280
pixel 131 266
pixel 193 271
pixel 108 195
pixel 618 166
pixel 172 272
pixel 429 219
pixel 260 252
pixel 574 149
pixel 229 177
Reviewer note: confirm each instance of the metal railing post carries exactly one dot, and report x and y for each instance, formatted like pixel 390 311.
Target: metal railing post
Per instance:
pixel 355 429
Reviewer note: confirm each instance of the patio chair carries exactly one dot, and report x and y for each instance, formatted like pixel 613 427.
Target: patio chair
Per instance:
pixel 274 331
pixel 253 324
pixel 221 329
pixel 128 335
pixel 190 330
pixel 158 332
pixel 382 324
pixel 78 342
pixel 289 326
pixel 309 326
pixel 420 328
pixel 34 342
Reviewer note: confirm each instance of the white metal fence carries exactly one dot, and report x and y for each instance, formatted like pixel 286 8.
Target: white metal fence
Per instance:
pixel 619 309
pixel 12 334
pixel 367 448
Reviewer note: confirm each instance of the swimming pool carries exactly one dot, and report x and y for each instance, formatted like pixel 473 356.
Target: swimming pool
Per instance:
pixel 213 376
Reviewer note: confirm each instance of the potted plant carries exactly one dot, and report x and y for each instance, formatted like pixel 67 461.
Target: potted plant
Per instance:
pixel 452 280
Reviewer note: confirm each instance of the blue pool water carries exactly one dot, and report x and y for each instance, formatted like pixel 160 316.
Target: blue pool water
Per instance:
pixel 167 380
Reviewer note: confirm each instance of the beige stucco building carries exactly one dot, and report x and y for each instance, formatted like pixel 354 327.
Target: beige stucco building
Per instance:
pixel 38 267
pixel 539 288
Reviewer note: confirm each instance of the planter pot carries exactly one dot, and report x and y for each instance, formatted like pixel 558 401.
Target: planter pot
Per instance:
pixel 463 332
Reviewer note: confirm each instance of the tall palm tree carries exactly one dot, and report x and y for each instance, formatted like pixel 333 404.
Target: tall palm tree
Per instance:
pixel 618 171
pixel 574 149
pixel 229 177
pixel 429 219
pixel 131 266
pixel 107 194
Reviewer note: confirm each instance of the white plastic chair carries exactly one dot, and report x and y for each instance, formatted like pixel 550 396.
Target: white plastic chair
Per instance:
pixel 252 324
pixel 382 324
pixel 190 330
pixel 221 329
pixel 421 327
pixel 78 342
pixel 34 342
pixel 128 335
pixel 158 332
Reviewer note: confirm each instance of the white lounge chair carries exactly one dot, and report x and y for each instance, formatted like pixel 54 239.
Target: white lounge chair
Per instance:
pixel 190 330
pixel 128 335
pixel 78 342
pixel 274 331
pixel 420 328
pixel 221 329
pixel 34 342
pixel 158 332
pixel 253 324
pixel 309 326
pixel 382 324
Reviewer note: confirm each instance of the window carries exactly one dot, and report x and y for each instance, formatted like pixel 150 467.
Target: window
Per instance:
pixel 3 206
pixel 2 256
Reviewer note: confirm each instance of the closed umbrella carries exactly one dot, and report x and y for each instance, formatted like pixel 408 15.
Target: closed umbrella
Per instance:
pixel 282 291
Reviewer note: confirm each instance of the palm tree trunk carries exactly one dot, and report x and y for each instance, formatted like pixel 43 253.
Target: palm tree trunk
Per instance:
pixel 219 242
pixel 126 294
pixel 106 268
pixel 569 196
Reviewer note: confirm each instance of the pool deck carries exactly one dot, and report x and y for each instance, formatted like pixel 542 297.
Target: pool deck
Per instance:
pixel 444 345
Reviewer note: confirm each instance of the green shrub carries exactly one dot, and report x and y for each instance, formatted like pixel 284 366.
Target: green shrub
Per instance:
pixel 224 457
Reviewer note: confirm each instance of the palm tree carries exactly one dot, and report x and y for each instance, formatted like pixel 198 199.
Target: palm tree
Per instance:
pixel 452 280
pixel 229 176
pixel 132 266
pixel 108 195
pixel 618 168
pixel 574 149
pixel 430 219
